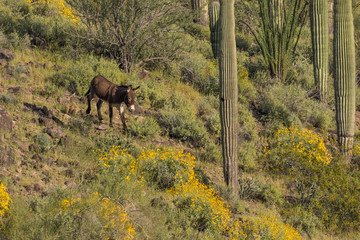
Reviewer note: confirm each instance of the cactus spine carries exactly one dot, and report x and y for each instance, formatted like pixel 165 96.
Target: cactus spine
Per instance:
pixel 344 75
pixel 228 93
pixel 214 14
pixel 200 5
pixel 320 45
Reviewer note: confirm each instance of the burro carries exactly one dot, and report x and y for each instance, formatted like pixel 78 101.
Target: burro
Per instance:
pixel 115 95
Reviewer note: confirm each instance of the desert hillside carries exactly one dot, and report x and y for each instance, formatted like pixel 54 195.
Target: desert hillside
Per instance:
pixel 64 174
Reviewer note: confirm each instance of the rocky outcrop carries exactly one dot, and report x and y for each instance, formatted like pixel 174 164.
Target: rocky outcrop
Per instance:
pixel 6 54
pixel 6 122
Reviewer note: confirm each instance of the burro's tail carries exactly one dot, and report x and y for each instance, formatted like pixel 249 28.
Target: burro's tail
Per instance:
pixel 87 93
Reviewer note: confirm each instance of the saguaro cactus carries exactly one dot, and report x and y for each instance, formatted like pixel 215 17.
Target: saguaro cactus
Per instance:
pixel 214 14
pixel 320 45
pixel 344 74
pixel 228 93
pixel 200 5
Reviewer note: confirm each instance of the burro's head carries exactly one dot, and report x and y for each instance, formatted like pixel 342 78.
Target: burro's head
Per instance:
pixel 130 98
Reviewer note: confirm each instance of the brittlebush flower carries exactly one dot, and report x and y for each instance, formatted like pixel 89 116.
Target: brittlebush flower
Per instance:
pixel 61 5
pixel 199 201
pixel 117 225
pixel 5 200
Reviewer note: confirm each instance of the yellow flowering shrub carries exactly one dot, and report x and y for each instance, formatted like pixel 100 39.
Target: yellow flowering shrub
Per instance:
pixel 202 204
pixel 61 5
pixel 267 227
pixel 118 160
pixel 167 167
pixel 296 150
pixel 116 224
pixel 173 170
pixel 5 200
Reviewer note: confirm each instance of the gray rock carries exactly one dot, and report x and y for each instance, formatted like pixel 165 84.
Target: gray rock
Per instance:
pixel 6 54
pixel 6 122
pixel 55 132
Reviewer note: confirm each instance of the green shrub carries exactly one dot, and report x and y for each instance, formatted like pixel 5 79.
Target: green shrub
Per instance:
pixel 14 40
pixel 90 216
pixel 75 79
pixel 302 73
pixel 17 70
pixel 180 122
pixel 49 90
pixel 209 112
pixel 44 142
pixel 41 22
pixel 243 41
pixel 7 99
pixel 213 123
pixel 9 18
pixel 146 128
pixel 211 153
pixel 79 124
pixel 302 220
pixel 108 140
pixel 247 90
pixel 166 168
pixel 201 73
pixel 250 188
pixel 151 93
pixel 249 138
pixel 325 185
pixel 78 76
pixel 287 105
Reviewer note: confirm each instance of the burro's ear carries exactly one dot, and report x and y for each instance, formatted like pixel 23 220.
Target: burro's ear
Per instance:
pixel 135 89
pixel 128 89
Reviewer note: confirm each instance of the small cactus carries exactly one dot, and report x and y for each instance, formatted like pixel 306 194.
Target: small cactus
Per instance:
pixel 214 14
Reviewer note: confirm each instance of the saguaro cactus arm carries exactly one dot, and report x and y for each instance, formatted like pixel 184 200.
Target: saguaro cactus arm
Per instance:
pixel 214 17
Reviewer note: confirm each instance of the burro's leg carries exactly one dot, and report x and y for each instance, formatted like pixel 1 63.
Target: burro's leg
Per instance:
pixel 89 97
pixel 110 113
pixel 122 115
pixel 98 106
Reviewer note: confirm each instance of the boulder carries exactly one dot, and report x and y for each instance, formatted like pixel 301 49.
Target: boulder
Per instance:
pixel 7 156
pixel 6 122
pixel 55 133
pixel 15 90
pixel 6 54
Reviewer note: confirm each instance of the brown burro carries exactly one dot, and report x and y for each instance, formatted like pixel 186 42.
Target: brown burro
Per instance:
pixel 115 95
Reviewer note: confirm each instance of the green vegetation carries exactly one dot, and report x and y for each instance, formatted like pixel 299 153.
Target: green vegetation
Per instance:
pixel 65 175
pixel 278 32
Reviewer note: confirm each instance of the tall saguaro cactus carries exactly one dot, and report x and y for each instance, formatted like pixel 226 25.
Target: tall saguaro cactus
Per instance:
pixel 320 45
pixel 214 14
pixel 200 5
pixel 228 93
pixel 344 71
